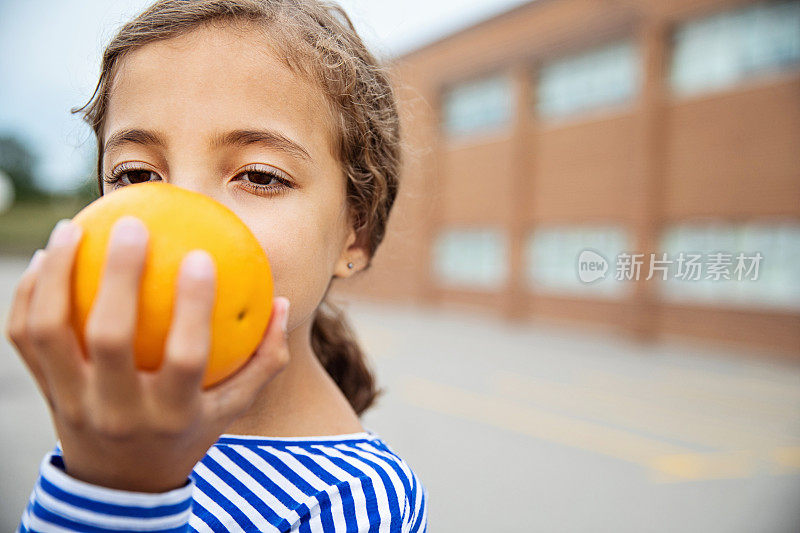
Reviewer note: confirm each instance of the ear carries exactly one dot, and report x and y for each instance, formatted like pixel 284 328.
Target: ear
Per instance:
pixel 354 252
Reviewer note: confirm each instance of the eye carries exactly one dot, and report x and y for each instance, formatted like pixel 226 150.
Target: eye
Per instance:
pixel 126 174
pixel 269 181
pixel 265 181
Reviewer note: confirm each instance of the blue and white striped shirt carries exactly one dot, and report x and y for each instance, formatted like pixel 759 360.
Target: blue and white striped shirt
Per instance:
pixel 338 483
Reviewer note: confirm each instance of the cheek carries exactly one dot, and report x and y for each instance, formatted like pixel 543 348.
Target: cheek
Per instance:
pixel 300 256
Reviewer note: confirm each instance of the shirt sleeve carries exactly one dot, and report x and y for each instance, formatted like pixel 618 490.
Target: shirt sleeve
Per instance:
pixel 351 506
pixel 418 522
pixel 60 503
pixel 336 509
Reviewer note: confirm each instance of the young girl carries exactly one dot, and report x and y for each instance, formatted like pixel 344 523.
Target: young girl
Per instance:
pixel 277 110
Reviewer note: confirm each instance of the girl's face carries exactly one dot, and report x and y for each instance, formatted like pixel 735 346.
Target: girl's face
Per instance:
pixel 216 112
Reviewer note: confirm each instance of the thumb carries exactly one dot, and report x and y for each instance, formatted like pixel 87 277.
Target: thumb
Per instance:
pixel 271 356
pixel 278 325
pixel 285 316
pixel 274 347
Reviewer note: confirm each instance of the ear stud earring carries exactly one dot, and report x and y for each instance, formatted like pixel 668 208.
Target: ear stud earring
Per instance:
pixel 349 265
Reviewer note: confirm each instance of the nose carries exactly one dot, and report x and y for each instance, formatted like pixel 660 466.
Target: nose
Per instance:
pixel 203 182
pixel 200 181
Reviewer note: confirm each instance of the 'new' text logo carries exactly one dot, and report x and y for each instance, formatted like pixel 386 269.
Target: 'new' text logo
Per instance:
pixel 591 266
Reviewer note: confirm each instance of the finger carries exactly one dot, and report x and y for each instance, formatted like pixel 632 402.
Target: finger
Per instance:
pixel 111 326
pixel 189 340
pixel 47 322
pixel 235 394
pixel 16 325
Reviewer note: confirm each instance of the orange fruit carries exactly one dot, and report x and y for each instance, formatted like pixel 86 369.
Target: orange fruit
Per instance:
pixel 178 221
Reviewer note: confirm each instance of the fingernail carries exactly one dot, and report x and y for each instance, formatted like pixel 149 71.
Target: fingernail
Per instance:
pixel 128 230
pixel 285 322
pixel 35 260
pixel 199 265
pixel 63 233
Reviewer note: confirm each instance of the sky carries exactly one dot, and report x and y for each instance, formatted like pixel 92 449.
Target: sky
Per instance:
pixel 50 59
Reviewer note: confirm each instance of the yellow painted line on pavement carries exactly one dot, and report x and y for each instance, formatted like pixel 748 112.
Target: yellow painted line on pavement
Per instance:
pixel 664 461
pixel 657 416
pixel 786 460
pixel 538 423
pixel 778 389
pixel 703 466
pixel 694 394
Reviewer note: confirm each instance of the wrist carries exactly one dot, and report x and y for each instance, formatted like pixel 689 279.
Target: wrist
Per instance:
pixel 120 481
pixel 74 505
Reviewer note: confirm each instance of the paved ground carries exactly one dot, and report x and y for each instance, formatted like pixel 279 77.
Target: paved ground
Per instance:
pixel 538 428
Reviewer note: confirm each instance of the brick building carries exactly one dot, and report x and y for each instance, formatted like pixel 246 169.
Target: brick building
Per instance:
pixel 623 127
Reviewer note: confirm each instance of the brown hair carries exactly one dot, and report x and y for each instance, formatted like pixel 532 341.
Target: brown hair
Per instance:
pixel 315 39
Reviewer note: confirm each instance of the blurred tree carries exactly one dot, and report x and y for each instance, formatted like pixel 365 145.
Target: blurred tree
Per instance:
pixel 88 189
pixel 84 185
pixel 18 161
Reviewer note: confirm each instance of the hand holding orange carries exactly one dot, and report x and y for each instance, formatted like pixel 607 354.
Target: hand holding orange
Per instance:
pixel 178 221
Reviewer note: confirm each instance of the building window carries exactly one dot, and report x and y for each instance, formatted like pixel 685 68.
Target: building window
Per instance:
pixel 720 50
pixel 554 255
pixel 477 106
pixel 471 258
pixel 774 284
pixel 601 77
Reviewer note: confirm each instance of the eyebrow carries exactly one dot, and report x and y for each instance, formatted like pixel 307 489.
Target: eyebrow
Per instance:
pixel 241 138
